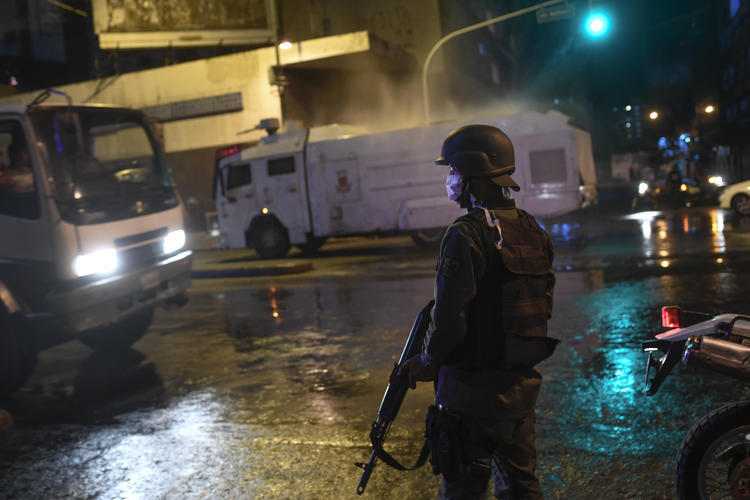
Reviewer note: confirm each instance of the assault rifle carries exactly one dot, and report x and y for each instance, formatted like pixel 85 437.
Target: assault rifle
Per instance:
pixel 391 403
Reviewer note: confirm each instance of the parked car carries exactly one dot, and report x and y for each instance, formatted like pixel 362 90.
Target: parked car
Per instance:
pixel 737 197
pixel 657 194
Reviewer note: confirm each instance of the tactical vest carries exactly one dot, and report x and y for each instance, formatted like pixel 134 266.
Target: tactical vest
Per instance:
pixel 508 316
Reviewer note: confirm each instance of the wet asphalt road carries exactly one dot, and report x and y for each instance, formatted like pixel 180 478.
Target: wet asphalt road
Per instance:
pixel 266 387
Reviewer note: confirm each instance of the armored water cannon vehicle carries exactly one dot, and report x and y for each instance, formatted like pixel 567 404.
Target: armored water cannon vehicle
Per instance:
pixel 301 186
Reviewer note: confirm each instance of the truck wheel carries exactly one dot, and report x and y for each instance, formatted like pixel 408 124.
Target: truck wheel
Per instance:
pixel 713 459
pixel 18 354
pixel 428 238
pixel 121 335
pixel 312 245
pixel 270 239
pixel 741 204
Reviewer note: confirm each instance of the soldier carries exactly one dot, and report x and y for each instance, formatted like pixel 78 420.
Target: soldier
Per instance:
pixel 493 297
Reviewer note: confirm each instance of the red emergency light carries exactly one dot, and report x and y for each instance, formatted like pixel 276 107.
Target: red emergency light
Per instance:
pixel 229 151
pixel 670 317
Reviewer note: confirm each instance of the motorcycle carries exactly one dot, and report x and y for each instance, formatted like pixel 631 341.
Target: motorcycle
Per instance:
pixel 714 458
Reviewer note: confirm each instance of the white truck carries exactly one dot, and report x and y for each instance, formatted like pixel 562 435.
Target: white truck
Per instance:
pixel 93 231
pixel 300 187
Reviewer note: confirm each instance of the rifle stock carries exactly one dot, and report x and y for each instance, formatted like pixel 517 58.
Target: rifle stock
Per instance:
pixel 392 399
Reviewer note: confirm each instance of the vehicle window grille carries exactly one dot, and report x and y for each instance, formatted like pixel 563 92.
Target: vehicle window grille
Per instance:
pixel 127 241
pixel 548 166
pixel 280 166
pixel 140 256
pixel 239 175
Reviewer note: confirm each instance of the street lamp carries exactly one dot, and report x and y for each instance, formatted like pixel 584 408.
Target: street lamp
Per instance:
pixel 653 115
pixel 467 29
pixel 709 109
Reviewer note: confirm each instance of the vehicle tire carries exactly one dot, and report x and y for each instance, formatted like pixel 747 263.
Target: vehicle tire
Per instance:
pixel 270 239
pixel 119 336
pixel 741 204
pixel 311 246
pixel 428 239
pixel 18 354
pixel 713 459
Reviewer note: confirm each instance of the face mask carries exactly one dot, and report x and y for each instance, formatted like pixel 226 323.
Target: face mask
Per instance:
pixel 454 185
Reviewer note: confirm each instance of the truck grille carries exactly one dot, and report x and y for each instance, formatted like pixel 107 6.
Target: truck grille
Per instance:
pixel 126 241
pixel 140 256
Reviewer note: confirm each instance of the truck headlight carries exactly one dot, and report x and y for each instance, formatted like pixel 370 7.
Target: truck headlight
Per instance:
pixel 103 261
pixel 174 240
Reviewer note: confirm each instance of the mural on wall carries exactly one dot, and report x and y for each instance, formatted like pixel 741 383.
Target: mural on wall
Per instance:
pixel 178 15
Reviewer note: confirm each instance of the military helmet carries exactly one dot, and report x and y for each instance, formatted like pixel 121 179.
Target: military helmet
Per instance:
pixel 480 151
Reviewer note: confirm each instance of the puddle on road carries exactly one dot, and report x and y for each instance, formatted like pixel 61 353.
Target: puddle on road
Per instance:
pixel 592 411
pixel 650 234
pixel 275 379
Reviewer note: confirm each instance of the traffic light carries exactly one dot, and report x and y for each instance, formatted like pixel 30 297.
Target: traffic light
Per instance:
pixel 596 24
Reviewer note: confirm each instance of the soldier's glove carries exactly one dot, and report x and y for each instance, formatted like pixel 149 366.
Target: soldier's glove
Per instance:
pixel 417 370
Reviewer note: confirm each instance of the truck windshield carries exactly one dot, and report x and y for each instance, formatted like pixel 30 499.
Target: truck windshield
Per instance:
pixel 104 164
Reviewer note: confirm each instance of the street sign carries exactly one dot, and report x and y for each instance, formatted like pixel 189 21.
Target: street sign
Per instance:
pixel 555 13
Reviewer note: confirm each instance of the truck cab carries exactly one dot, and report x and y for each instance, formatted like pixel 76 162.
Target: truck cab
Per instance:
pixel 93 232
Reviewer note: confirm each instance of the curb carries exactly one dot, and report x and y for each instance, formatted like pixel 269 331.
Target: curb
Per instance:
pixel 251 271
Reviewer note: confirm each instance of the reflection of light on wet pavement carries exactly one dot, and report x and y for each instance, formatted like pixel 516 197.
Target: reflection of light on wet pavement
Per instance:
pixel 184 450
pixel 565 233
pixel 601 395
pixel 643 216
pixel 646 229
pixel 717 231
pixel 274 304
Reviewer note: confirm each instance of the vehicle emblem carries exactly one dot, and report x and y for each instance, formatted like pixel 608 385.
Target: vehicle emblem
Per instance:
pixel 343 186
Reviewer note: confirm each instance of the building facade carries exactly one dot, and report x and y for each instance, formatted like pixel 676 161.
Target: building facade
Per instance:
pixel 351 62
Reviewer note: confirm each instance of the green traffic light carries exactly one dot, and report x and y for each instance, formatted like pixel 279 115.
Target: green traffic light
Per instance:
pixel 596 24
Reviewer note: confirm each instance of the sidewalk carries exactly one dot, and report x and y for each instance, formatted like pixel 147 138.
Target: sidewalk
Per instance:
pixel 210 262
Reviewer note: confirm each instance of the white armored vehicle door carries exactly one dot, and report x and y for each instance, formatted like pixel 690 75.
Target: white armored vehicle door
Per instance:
pixel 238 203
pixel 281 190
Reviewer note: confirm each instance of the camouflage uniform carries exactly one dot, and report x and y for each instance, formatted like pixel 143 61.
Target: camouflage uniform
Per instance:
pixel 490 326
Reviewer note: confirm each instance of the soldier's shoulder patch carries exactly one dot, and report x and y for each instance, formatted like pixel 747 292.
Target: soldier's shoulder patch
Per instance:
pixel 449 266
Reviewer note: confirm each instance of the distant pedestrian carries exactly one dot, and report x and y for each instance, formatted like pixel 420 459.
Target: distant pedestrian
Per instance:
pixel 674 181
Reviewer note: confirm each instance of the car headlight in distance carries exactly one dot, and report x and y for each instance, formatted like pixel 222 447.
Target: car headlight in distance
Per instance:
pixel 716 180
pixel 642 188
pixel 174 240
pixel 100 262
